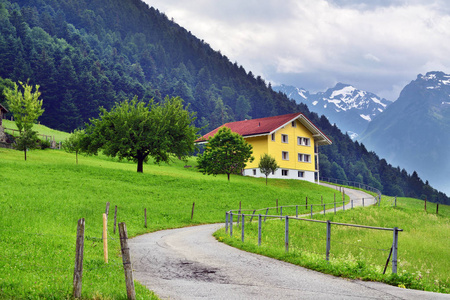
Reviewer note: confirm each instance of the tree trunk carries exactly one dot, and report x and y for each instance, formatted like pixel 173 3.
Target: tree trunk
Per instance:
pixel 140 165
pixel 266 179
pixel 25 153
pixel 228 174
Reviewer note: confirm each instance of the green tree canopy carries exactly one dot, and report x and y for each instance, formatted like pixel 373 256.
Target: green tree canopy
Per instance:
pixel 74 143
pixel 25 106
pixel 26 109
pixel 226 153
pixel 135 130
pixel 267 165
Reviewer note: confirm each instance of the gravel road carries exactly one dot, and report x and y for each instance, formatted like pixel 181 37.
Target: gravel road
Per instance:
pixel 188 263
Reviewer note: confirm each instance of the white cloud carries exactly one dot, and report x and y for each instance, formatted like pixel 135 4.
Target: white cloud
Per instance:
pixel 336 40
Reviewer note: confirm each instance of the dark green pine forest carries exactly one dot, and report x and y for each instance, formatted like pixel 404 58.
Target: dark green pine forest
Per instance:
pixel 86 54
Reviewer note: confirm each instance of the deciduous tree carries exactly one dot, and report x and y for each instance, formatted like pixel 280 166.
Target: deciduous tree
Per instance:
pixel 226 153
pixel 267 165
pixel 136 131
pixel 26 109
pixel 74 143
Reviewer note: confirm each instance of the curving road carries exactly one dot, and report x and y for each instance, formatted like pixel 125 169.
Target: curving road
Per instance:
pixel 188 263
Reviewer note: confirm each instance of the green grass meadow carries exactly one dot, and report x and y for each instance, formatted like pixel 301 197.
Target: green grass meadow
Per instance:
pixel 423 248
pixel 41 200
pixel 59 136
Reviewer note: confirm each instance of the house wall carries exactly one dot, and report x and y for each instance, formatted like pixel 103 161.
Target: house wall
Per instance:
pixel 289 163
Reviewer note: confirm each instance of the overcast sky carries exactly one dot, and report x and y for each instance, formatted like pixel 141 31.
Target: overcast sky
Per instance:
pixel 376 45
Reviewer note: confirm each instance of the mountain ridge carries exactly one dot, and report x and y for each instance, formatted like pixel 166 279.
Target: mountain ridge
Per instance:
pixel 350 108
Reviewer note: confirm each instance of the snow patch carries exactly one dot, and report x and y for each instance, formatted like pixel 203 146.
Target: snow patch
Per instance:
pixel 315 103
pixel 446 82
pixel 431 87
pixel 377 101
pixel 366 117
pixel 348 90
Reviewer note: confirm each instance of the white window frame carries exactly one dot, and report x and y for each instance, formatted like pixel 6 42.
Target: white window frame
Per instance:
pixel 304 157
pixel 285 138
pixel 273 137
pixel 284 172
pixel 293 124
pixel 285 155
pixel 303 141
pixel 254 172
pixel 301 174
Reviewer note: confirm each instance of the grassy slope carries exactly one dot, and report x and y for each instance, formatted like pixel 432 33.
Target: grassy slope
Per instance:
pixel 423 259
pixel 42 199
pixel 59 136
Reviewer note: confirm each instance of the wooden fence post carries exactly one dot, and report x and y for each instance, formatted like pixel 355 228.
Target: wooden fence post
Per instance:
pixel 115 218
pixel 126 259
pixel 105 237
pixel 328 240
pixel 395 201
pixel 363 201
pixel 239 213
pixel 296 211
pixel 192 211
pixel 78 270
pixel 226 222
pixel 259 229
pixel 425 203
pixel 311 212
pixel 267 211
pixel 437 208
pixel 281 212
pixel 277 205
pixel 324 209
pixel 107 209
pixel 242 228
pixel 394 250
pixel 286 235
pixel 306 203
pixel 231 224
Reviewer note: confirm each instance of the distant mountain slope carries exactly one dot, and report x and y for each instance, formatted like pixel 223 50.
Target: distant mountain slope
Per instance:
pixel 414 131
pixel 350 108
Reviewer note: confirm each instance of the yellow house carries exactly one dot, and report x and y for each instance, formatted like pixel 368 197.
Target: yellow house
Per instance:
pixel 292 139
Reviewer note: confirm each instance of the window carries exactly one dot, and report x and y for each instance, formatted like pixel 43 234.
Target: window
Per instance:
pixel 285 155
pixel 284 138
pixel 254 172
pixel 293 124
pixel 284 172
pixel 304 157
pixel 301 174
pixel 273 136
pixel 302 141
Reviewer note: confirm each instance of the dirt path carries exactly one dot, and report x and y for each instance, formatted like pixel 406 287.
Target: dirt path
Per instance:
pixel 188 263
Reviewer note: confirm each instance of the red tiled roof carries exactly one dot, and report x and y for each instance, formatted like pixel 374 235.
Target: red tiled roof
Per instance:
pixel 262 126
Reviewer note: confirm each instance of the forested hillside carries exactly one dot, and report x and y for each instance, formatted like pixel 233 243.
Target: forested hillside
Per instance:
pixel 86 54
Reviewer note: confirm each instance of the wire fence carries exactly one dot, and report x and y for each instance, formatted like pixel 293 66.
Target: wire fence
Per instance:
pixel 312 241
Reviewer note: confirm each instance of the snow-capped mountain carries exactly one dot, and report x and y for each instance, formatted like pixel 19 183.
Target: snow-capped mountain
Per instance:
pixel 351 109
pixel 414 132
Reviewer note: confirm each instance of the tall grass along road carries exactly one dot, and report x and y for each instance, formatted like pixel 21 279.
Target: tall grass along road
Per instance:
pixel 189 263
